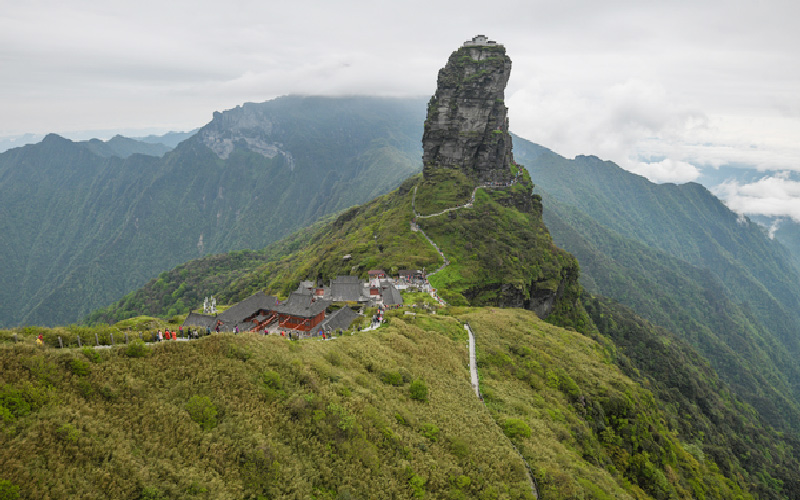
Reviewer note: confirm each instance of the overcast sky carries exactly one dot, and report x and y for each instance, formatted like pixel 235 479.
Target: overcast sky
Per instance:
pixel 664 89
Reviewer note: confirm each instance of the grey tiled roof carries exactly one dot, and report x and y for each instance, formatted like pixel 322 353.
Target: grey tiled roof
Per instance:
pixel 346 292
pixel 341 319
pixel 200 321
pixel 301 306
pixel 306 287
pixel 391 295
pixel 249 306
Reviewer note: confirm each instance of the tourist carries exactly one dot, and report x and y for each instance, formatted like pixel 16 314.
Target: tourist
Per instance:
pixel 160 336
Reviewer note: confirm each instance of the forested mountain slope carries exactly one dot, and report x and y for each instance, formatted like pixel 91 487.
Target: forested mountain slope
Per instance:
pixel 680 258
pixel 78 230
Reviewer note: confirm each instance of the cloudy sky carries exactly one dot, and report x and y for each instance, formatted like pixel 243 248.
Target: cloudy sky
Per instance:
pixel 665 89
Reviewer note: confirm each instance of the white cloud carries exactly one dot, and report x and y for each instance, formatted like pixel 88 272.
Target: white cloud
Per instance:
pixel 772 195
pixel 666 171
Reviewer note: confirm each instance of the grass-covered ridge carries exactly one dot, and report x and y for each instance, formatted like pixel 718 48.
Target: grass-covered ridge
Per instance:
pixel 248 416
pixel 500 253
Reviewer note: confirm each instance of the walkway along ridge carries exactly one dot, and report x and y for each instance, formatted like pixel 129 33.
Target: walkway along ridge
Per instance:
pixel 415 226
pixel 473 375
pixel 473 362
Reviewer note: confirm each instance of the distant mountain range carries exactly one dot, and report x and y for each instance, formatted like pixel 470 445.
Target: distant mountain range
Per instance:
pixel 83 223
pixel 168 140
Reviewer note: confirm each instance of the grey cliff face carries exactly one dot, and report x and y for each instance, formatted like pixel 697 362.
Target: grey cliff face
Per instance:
pixel 467 124
pixel 245 126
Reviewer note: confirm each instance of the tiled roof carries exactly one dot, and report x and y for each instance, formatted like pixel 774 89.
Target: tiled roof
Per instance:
pixel 306 287
pixel 341 319
pixel 346 292
pixel 301 306
pixel 249 306
pixel 391 295
pixel 200 321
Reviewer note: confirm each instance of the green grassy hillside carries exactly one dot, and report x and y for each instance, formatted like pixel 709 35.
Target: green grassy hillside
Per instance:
pixel 253 417
pixel 378 235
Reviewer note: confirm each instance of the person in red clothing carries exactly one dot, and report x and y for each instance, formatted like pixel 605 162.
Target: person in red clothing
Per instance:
pixel 168 335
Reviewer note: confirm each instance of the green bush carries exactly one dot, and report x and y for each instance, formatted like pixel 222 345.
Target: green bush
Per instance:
pixel 430 431
pixel 271 379
pixel 417 484
pixel 514 427
pixel 136 349
pixel 8 491
pixel 418 390
pixel 79 367
pixel 392 378
pixel 202 411
pixel 13 403
pixel 92 355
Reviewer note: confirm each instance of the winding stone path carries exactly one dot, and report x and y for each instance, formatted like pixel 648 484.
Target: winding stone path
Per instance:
pixel 415 226
pixel 473 362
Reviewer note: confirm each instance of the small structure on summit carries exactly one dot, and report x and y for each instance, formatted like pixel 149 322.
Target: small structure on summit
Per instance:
pixel 480 40
pixel 467 123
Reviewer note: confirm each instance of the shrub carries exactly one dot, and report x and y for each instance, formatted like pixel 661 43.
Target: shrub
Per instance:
pixel 271 379
pixel 514 427
pixel 151 493
pixel 393 378
pixel 68 433
pixel 418 390
pixel 8 491
pixel 202 411
pixel 79 366
pixel 430 431
pixel 13 403
pixel 417 484
pixel 91 355
pixel 136 349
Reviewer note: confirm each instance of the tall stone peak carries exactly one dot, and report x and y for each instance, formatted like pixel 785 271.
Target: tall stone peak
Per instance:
pixel 467 123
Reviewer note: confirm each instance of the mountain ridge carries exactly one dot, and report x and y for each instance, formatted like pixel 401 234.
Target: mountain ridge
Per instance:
pixel 142 215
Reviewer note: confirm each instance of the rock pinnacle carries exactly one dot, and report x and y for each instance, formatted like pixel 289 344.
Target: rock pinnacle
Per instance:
pixel 467 123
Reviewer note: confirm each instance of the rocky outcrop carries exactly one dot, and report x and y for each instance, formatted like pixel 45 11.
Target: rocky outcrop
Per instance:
pixel 247 127
pixel 467 123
